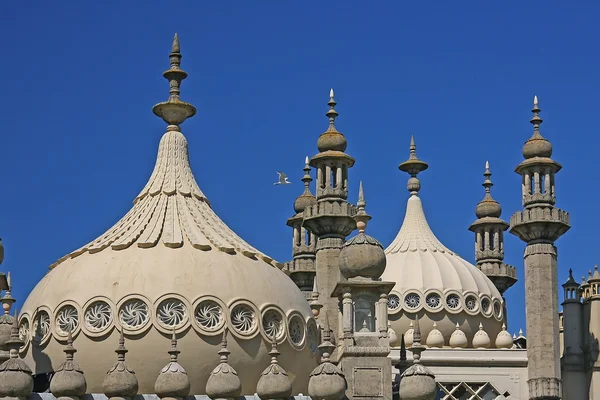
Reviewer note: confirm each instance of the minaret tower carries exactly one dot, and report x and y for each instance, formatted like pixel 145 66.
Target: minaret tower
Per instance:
pixel 592 323
pixel 302 267
pixel 330 220
pixel 573 358
pixel 489 239
pixel 539 225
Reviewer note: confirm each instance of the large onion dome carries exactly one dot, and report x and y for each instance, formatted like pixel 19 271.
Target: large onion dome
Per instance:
pixel 432 280
pixel 170 264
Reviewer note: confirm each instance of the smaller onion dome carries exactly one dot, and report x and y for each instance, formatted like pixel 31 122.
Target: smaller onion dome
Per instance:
pixel 481 340
pixel 327 382
pixel 392 335
pixel 409 335
pixel 537 145
pixel 331 139
pixel 504 340
pixel 435 339
pixel 172 382
pixel 15 374
pixel 417 382
pixel 120 381
pixel 68 380
pixel 274 382
pixel 223 382
pixel 458 339
pixel 488 207
pixel 362 256
pixel 306 199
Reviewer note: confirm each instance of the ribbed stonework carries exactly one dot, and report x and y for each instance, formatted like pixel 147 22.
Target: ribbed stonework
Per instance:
pixel 330 219
pixel 540 224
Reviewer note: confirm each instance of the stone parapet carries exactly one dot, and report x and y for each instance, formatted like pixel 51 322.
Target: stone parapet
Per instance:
pixel 540 223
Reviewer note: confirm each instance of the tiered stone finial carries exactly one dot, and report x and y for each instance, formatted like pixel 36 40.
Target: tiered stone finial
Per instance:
pixel 120 382
pixel 174 111
pixel 458 339
pixel 306 199
pixel 332 140
pixel 435 339
pixel 173 383
pixel 327 382
pixel 68 382
pixel 362 256
pixel 223 382
pixel 6 320
pixel 504 340
pixel 481 339
pixel 537 145
pixel 16 381
pixel 413 166
pixel 274 382
pixel 417 381
pixel 489 239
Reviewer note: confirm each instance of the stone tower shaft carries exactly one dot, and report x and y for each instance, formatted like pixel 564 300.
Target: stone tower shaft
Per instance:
pixel 539 225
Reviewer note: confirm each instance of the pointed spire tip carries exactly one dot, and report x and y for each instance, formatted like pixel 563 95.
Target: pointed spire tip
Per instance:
pixel 175 48
pixel 535 100
pixel 331 94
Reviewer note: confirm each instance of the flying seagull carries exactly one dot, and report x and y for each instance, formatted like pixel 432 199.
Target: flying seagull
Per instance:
pixel 283 180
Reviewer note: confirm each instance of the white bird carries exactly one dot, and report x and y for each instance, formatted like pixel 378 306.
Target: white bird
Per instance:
pixel 283 180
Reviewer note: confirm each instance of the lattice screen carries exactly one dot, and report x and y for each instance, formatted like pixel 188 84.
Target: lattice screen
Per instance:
pixel 469 391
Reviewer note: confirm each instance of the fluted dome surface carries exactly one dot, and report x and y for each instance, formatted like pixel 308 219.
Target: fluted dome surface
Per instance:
pixel 169 263
pixel 431 278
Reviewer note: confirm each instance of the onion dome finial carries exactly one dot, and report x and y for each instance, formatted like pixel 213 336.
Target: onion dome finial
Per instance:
pixel 362 255
pixel 15 375
pixel 173 381
pixel 417 382
pixel 274 382
pixel 174 111
pixel 120 381
pixel 332 139
pixel 68 381
pixel 488 207
pixel 504 340
pixel 458 339
pixel 306 199
pixel 6 320
pixel 435 339
pixel 326 381
pixel 223 382
pixel 537 145
pixel 481 339
pixel 413 166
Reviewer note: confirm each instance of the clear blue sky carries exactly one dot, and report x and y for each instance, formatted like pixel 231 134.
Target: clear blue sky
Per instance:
pixel 78 80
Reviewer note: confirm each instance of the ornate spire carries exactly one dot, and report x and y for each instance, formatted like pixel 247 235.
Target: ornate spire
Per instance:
pixel 223 382
pixel 488 207
pixel 120 381
pixel 417 381
pixel 68 381
pixel 173 381
pixel 174 111
pixel 537 145
pixel 361 216
pixel 274 382
pixel 413 166
pixel 15 375
pixel 332 139
pixel 7 300
pixel 306 199
pixel 331 114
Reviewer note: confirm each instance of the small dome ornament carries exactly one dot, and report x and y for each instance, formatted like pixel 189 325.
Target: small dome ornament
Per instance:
pixel 331 139
pixel 362 256
pixel 392 335
pixel 409 335
pixel 173 383
pixel 327 382
pixel 15 375
pixel 488 207
pixel 481 340
pixel 435 339
pixel 306 199
pixel 417 382
pixel 223 382
pixel 68 382
pixel 458 339
pixel 120 382
pixel 413 166
pixel 537 145
pixel 6 320
pixel 274 382
pixel 504 340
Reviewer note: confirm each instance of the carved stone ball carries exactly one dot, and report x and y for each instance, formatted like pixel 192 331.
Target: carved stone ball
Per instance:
pixel 172 382
pixel 327 382
pixel 332 140
pixel 68 383
pixel 223 383
pixel 303 201
pixel 504 340
pixel 120 383
pixel 362 256
pixel 488 207
pixel 15 384
pixel 274 383
pixel 417 383
pixel 537 147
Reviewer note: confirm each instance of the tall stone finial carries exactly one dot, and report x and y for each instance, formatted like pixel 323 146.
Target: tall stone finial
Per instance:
pixel 332 139
pixel 417 382
pixel 223 382
pixel 120 382
pixel 173 382
pixel 274 382
pixel 6 320
pixel 68 382
pixel 306 199
pixel 537 145
pixel 15 375
pixel 361 216
pixel 174 111
pixel 7 300
pixel 326 381
pixel 413 166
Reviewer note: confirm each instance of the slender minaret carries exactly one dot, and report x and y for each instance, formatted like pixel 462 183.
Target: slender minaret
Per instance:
pixel 489 239
pixel 573 358
pixel 592 323
pixel 539 225
pixel 302 267
pixel 330 220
